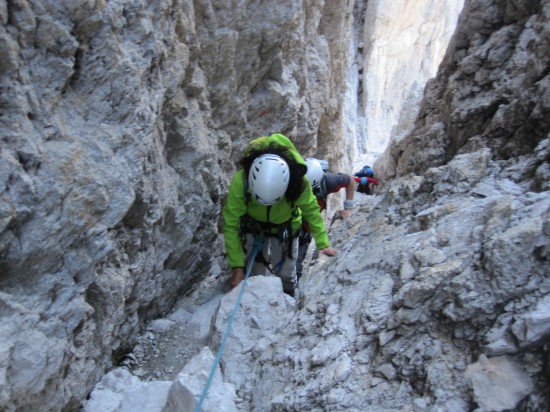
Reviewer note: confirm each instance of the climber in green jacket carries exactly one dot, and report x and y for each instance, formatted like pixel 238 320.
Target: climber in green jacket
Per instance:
pixel 267 198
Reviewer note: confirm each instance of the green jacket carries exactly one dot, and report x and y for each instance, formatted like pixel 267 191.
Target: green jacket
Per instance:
pixel 237 206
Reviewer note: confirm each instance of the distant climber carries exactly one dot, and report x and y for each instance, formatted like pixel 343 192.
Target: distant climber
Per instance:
pixel 323 183
pixel 267 198
pixel 365 180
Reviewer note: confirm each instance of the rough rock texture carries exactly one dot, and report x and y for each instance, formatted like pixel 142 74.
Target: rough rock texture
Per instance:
pixel 119 121
pixel 498 383
pixel 275 67
pixel 440 273
pixel 400 37
pixel 439 300
pixel 99 204
pixel 491 91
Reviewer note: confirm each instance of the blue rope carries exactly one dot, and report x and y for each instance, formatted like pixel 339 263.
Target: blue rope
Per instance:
pixel 258 243
pixel 279 266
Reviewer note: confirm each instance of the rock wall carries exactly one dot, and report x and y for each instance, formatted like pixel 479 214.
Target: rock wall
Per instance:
pixel 120 121
pixel 491 91
pixel 438 300
pixel 120 124
pixel 400 47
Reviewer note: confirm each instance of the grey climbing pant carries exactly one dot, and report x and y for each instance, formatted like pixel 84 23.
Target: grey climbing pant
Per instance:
pixel 276 254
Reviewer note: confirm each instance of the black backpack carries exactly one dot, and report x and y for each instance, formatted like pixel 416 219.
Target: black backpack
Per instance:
pixel 366 171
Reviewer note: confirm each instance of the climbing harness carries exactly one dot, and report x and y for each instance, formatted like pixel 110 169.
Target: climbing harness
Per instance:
pixel 286 238
pixel 258 244
pixel 283 232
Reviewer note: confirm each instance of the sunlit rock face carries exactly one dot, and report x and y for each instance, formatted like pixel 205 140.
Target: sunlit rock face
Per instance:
pixel 491 91
pixel 120 122
pixel 400 47
pixel 439 299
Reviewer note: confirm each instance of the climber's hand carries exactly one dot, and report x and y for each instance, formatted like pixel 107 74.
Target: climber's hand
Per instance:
pixel 346 213
pixel 330 251
pixel 237 277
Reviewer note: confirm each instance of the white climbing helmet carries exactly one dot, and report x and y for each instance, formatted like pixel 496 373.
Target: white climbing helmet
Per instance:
pixel 324 165
pixel 268 179
pixel 314 171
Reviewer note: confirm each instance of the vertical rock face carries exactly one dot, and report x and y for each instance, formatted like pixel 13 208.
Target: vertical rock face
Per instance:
pixel 401 46
pixel 274 67
pixel 100 187
pixel 119 122
pixel 492 91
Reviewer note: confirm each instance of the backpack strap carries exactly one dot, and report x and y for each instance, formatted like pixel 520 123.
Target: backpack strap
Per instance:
pixel 321 191
pixel 245 190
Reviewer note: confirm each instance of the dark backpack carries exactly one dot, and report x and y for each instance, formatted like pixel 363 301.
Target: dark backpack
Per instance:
pixel 366 171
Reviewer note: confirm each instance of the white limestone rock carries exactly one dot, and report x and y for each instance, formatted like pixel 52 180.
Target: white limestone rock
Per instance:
pixel 498 383
pixel 393 37
pixel 533 327
pixel 160 325
pixel 187 389
pixel 263 314
pixel 120 124
pixel 120 391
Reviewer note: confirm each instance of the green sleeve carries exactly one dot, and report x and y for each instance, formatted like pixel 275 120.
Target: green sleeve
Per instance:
pixel 234 209
pixel 311 212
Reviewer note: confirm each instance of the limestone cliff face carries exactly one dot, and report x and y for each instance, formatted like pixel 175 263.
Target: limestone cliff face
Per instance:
pixel 491 91
pixel 272 67
pixel 120 121
pixel 403 43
